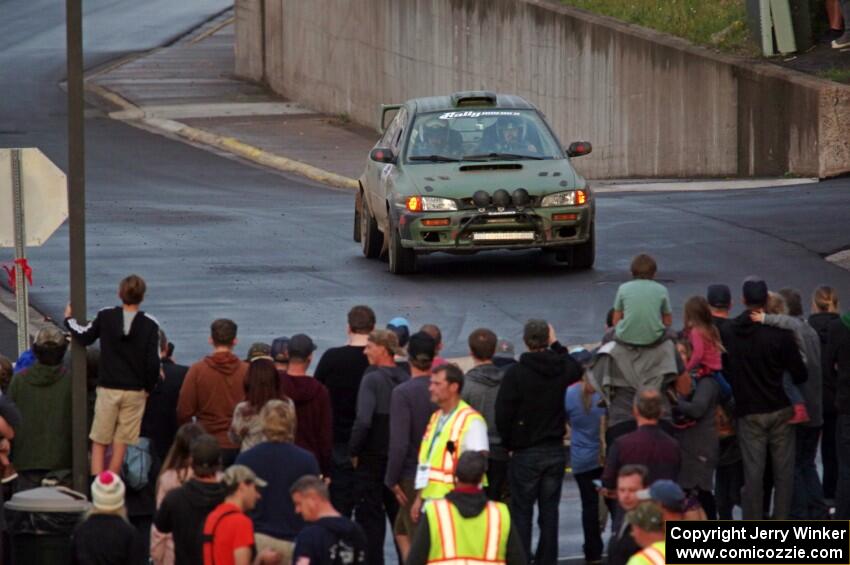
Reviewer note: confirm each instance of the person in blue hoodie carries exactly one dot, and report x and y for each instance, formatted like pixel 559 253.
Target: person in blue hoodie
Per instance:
pixel 585 418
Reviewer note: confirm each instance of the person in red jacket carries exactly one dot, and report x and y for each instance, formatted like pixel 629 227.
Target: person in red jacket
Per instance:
pixel 213 387
pixel 314 431
pixel 228 532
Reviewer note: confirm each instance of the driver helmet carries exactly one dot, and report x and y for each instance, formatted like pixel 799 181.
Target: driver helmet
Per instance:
pixel 510 124
pixel 435 133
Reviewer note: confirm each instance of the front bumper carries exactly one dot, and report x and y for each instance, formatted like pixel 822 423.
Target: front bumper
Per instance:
pixel 474 230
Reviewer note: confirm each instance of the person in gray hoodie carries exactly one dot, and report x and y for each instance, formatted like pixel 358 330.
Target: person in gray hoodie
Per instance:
pixel 480 389
pixel 370 440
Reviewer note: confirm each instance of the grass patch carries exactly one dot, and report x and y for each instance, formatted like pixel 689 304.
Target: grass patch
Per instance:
pixel 838 75
pixel 714 23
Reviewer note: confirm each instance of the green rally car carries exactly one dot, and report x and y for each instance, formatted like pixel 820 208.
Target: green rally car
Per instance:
pixel 470 172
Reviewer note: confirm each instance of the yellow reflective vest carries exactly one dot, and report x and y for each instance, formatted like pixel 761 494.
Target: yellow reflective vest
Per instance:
pixel 456 540
pixel 651 555
pixel 434 448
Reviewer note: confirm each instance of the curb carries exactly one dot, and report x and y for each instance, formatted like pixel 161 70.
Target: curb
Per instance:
pixel 9 310
pixel 133 115
pixel 214 29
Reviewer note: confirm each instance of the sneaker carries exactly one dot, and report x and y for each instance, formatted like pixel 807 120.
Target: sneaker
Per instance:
pixel 801 415
pixel 842 42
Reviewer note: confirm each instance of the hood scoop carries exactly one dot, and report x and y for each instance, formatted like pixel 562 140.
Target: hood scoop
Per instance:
pixel 491 167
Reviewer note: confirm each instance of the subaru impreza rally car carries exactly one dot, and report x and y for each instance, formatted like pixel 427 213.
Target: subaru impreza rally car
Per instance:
pixel 470 172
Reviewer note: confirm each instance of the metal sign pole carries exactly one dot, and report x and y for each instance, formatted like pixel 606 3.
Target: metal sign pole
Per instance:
pixel 77 233
pixel 21 290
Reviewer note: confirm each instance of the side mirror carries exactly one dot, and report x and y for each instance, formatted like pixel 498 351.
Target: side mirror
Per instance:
pixel 382 155
pixel 579 148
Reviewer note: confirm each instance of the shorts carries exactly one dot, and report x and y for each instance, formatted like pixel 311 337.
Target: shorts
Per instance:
pixel 117 416
pixel 404 524
pixel 283 547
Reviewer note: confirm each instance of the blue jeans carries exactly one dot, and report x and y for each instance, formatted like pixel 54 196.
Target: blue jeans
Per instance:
pixel 537 476
pixel 842 486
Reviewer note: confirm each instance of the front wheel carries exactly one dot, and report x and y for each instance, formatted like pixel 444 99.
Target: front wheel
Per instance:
pixel 402 260
pixel 584 254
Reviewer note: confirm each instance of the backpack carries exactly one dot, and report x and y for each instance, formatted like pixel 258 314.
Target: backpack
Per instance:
pixel 209 538
pixel 136 468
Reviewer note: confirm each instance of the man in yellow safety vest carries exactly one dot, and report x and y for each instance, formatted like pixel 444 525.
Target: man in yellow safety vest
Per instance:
pixel 464 527
pixel 453 430
pixel 647 523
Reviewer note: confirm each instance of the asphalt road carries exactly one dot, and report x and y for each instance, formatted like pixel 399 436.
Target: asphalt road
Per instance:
pixel 217 238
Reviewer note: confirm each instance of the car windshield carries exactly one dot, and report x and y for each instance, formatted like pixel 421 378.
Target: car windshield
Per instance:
pixel 480 135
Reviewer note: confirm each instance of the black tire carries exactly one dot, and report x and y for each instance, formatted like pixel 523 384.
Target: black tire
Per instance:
pixel 371 239
pixel 402 260
pixel 584 254
pixel 357 203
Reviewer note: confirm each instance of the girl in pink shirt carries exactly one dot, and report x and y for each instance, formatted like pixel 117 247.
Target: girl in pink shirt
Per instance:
pixel 704 338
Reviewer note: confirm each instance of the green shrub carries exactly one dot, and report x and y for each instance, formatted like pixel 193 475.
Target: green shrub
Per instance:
pixel 715 23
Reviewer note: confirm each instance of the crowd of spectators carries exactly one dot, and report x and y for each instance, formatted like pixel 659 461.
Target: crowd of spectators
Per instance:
pixel 259 460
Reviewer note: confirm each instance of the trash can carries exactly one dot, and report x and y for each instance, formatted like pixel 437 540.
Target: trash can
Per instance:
pixel 40 523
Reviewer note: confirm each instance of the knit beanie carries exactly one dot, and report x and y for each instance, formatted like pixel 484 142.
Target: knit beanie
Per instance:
pixel 107 492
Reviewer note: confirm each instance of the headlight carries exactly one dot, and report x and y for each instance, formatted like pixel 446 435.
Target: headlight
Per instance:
pixel 429 204
pixel 567 198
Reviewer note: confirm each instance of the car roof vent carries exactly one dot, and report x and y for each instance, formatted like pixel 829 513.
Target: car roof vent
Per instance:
pixel 473 98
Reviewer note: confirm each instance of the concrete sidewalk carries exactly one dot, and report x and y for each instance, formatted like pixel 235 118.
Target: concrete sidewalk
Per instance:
pixel 187 90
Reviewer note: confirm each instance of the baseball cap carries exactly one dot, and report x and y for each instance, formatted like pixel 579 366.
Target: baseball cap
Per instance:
pixel 646 516
pixel 50 336
pixel 422 347
pixel 581 355
pixel 301 346
pixel 206 455
pixel 385 338
pixel 666 493
pixel 401 327
pixel 236 474
pixel 719 296
pixel 280 349
pixel 259 349
pixel 754 291
pixel 504 349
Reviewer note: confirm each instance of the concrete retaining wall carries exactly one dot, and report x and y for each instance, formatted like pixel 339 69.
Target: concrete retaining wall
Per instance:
pixel 250 39
pixel 652 105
